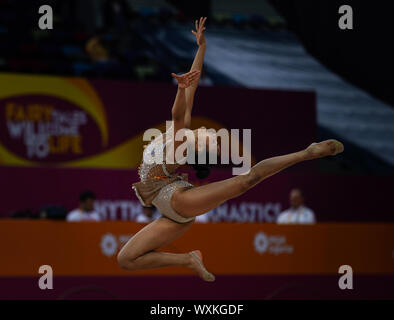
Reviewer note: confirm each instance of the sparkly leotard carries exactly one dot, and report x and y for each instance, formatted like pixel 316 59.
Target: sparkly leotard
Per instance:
pixel 158 180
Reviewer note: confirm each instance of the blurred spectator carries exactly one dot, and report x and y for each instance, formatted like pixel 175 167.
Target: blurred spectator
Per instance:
pixel 117 14
pixel 103 64
pixel 297 213
pixel 52 212
pixel 86 211
pixel 96 51
pixel 23 214
pixel 148 214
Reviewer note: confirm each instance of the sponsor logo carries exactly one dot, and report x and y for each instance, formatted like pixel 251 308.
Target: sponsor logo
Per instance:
pixel 41 128
pixel 51 120
pixel 272 244
pixel 110 244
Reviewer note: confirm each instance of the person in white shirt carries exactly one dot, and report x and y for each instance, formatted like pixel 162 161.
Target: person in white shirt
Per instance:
pixel 297 213
pixel 86 211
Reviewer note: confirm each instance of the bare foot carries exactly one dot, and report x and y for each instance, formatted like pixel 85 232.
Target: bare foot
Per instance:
pixel 325 148
pixel 197 265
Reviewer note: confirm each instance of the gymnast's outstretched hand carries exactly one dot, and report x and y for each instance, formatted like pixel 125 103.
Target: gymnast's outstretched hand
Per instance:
pixel 199 32
pixel 187 79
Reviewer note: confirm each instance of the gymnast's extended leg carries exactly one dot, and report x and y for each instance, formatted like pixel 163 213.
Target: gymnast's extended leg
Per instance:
pixel 195 201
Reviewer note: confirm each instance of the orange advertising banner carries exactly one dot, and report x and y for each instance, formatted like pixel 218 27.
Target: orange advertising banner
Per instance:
pixel 91 248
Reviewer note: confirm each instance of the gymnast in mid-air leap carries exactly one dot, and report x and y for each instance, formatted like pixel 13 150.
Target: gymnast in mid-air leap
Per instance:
pixel 179 201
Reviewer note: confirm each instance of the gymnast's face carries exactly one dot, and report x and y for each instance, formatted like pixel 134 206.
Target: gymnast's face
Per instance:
pixel 206 141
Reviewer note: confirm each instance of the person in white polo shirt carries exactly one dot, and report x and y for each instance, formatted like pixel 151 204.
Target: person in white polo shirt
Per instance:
pixel 298 213
pixel 86 211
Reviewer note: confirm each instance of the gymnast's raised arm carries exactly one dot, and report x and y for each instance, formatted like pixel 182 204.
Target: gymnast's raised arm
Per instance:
pixel 179 108
pixel 197 65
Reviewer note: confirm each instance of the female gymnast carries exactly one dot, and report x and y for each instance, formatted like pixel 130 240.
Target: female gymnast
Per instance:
pixel 180 202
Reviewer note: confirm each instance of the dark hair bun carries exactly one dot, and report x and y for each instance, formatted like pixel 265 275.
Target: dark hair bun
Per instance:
pixel 202 170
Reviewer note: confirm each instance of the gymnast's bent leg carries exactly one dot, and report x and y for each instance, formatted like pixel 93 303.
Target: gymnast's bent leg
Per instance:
pixel 138 252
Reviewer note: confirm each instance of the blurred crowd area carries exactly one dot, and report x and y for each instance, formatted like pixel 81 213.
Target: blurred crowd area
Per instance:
pixel 104 38
pixel 89 210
